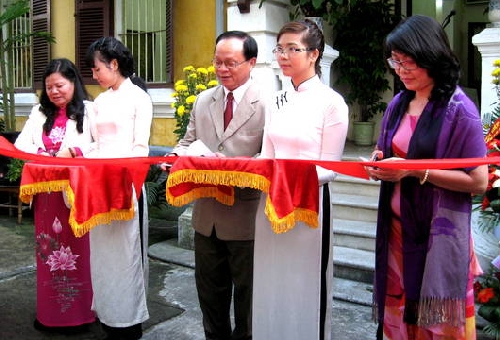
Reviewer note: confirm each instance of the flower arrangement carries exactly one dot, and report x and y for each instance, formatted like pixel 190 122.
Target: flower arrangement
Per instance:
pixel 490 201
pixel 487 295
pixel 195 80
pixel 487 286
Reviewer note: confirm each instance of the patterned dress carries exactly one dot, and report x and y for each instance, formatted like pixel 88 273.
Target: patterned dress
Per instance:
pixel 64 291
pixel 396 300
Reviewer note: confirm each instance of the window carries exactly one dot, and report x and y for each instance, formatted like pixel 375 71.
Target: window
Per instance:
pixel 27 55
pixel 93 20
pixel 144 26
pixel 40 10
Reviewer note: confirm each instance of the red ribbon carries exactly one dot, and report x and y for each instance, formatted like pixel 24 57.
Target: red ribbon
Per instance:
pixel 138 166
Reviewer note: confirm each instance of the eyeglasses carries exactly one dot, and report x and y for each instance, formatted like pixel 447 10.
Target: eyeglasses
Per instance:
pixel 228 64
pixel 289 51
pixel 408 65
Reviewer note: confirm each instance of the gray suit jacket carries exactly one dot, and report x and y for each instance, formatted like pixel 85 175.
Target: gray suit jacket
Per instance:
pixel 243 137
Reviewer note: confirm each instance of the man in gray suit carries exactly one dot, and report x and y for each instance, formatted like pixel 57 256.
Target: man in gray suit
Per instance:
pixel 224 234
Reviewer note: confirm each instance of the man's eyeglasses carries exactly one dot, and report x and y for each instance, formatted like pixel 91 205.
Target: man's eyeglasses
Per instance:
pixel 278 51
pixel 408 65
pixel 228 64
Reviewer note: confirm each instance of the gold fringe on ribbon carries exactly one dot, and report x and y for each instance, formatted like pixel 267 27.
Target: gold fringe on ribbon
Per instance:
pixel 103 218
pixel 434 310
pixel 27 191
pixel 213 177
pixel 286 223
pixel 80 229
pixel 194 194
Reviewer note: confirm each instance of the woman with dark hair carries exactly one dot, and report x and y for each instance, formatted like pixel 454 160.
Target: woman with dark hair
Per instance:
pixel 425 261
pixel 121 125
pixel 293 271
pixel 59 127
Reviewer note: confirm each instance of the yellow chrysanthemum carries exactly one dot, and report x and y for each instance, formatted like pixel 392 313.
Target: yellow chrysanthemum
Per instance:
pixel 181 88
pixel 202 70
pixel 195 81
pixel 496 63
pixel 190 99
pixel 496 72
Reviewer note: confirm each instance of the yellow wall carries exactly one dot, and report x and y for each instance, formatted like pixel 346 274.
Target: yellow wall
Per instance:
pixel 194 34
pixel 194 42
pixel 162 132
pixel 63 28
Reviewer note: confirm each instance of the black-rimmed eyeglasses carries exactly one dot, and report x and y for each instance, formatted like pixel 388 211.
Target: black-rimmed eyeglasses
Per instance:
pixel 408 65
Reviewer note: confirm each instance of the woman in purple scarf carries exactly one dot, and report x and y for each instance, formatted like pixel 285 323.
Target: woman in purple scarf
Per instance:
pixel 425 262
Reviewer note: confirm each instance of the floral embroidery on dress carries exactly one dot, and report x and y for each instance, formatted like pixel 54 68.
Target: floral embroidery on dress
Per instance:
pixel 60 259
pixel 57 134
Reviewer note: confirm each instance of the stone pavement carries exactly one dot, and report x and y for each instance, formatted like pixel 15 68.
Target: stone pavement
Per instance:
pixel 172 299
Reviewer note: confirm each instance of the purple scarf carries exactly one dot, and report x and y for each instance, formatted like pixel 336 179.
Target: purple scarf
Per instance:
pixel 435 221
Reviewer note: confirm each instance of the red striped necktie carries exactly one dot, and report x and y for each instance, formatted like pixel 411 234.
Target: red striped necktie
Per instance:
pixel 228 112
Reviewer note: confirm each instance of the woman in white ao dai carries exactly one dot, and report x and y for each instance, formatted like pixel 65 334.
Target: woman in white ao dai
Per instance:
pixel 293 271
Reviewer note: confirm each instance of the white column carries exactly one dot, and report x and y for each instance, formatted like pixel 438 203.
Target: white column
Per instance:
pixel 264 24
pixel 488 44
pixel 329 55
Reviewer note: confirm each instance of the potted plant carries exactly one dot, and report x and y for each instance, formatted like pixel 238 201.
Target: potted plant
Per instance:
pixel 9 40
pixel 360 65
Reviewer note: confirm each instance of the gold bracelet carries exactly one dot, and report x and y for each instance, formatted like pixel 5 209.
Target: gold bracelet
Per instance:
pixel 425 178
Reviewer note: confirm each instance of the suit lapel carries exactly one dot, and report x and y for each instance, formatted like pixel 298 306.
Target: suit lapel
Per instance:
pixel 217 111
pixel 244 110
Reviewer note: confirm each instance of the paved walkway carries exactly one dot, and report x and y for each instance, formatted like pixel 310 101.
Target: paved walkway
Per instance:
pixel 172 300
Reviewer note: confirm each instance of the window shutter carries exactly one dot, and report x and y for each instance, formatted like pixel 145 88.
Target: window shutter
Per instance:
pixel 40 10
pixel 170 43
pixel 93 20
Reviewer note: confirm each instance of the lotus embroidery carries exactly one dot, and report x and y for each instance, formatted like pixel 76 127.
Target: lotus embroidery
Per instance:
pixel 62 259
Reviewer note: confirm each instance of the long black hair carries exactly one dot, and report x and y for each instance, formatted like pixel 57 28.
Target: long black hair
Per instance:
pixel 108 48
pixel 423 39
pixel 75 109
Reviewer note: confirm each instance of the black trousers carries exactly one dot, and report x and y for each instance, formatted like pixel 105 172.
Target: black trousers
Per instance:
pixel 220 267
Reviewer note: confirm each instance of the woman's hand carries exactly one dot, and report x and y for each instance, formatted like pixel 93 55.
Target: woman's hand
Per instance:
pixel 389 175
pixel 65 153
pixel 375 156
